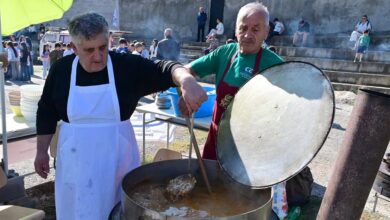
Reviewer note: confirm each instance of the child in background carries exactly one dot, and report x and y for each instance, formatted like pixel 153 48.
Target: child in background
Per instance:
pixel 362 45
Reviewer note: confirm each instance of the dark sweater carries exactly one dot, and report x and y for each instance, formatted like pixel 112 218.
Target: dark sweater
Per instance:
pixel 135 77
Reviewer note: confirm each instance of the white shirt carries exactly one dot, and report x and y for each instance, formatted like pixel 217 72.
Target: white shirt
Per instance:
pixel 67 52
pixel 220 29
pixel 361 27
pixel 11 54
pixel 153 51
pixel 279 27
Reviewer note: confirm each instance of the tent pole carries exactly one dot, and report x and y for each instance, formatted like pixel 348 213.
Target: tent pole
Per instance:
pixel 3 113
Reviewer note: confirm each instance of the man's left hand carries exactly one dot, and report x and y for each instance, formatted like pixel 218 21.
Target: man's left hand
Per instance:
pixel 193 94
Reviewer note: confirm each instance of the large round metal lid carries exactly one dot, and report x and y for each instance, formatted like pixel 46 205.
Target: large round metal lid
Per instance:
pixel 276 124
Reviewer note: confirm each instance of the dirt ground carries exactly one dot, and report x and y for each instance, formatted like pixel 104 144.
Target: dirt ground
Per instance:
pixel 42 191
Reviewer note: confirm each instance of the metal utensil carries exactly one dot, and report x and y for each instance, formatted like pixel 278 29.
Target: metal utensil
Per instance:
pixel 184 184
pixel 190 125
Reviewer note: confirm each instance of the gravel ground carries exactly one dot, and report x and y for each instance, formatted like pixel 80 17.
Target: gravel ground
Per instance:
pixel 321 166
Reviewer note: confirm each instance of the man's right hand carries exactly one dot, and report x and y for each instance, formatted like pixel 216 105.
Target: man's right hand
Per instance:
pixel 42 158
pixel 41 164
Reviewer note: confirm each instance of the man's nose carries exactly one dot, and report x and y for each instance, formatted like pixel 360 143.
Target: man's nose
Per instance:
pixel 247 34
pixel 98 56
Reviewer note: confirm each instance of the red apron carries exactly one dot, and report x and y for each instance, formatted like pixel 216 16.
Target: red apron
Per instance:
pixel 225 94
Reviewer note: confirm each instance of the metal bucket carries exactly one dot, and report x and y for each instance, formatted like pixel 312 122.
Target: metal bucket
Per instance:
pixel 165 170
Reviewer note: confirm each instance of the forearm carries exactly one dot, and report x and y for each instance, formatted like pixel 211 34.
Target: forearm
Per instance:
pixel 181 75
pixel 43 142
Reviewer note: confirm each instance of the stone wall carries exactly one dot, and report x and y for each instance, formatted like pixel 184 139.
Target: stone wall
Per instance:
pixel 104 7
pixel 324 16
pixel 148 18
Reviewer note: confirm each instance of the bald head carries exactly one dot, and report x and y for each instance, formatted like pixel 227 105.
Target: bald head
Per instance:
pixel 168 32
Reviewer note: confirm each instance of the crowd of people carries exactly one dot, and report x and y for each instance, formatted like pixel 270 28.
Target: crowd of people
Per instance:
pixel 20 58
pixel 20 55
pixel 165 49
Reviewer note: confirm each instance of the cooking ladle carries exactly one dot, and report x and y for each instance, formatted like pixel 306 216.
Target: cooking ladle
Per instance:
pixel 190 125
pixel 184 184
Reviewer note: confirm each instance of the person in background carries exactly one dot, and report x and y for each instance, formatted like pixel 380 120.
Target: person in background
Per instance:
pixel 68 50
pixel 45 60
pixel 42 31
pixel 362 45
pixel 55 54
pixel 138 49
pixel 63 47
pixel 29 43
pixel 95 92
pixel 22 38
pixel 214 43
pixel 144 52
pixel 131 47
pixel 302 33
pixel 32 32
pixel 153 49
pixel 363 25
pixel 13 70
pixel 168 48
pixel 12 38
pixel 219 29
pixel 122 46
pixel 201 19
pixel 279 27
pixel 271 31
pixel 25 62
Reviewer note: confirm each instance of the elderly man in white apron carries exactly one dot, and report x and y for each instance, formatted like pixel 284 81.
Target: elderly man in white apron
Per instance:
pixel 97 145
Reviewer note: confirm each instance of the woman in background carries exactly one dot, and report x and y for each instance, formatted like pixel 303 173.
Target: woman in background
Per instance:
pixel 45 60
pixel 25 62
pixel 13 67
pixel 363 25
pixel 153 49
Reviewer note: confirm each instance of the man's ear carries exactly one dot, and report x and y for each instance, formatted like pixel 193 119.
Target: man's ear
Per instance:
pixel 73 46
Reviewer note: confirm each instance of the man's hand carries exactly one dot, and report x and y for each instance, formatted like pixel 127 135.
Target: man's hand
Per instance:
pixel 192 93
pixel 41 164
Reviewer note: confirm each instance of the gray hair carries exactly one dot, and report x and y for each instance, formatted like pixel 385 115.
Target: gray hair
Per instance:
pixel 87 26
pixel 253 7
pixel 168 32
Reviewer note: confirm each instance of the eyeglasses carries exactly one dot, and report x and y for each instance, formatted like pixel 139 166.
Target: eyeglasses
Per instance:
pixel 364 18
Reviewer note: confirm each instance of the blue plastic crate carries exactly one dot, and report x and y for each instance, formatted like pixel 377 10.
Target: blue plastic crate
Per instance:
pixel 205 110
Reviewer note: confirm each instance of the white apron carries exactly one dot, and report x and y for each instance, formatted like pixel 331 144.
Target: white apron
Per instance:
pixel 95 151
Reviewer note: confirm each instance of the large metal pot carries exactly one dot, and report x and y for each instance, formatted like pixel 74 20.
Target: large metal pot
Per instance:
pixel 274 126
pixel 166 170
